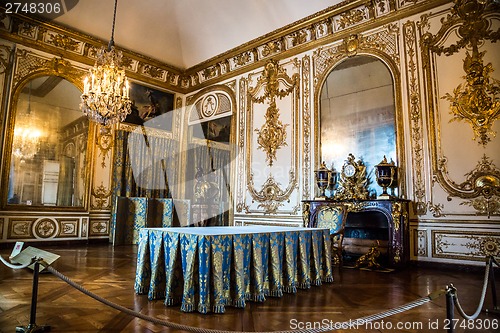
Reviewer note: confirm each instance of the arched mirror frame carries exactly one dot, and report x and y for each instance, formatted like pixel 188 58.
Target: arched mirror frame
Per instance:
pixel 55 67
pixel 399 124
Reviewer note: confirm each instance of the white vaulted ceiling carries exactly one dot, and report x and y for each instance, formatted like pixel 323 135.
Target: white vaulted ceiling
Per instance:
pixel 184 33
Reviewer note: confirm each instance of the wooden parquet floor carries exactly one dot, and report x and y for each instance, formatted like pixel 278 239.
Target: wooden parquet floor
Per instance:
pixel 109 272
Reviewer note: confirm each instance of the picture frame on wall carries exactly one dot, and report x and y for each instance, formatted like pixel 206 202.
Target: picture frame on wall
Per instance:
pixel 149 103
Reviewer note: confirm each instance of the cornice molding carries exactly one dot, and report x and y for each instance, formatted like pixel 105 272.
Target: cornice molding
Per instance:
pixel 327 26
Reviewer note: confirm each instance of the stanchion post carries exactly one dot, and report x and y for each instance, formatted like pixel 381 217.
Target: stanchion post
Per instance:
pixel 495 309
pixel 32 326
pixel 450 309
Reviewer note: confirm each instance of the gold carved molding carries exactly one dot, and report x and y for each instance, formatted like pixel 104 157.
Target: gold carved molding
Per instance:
pixel 240 183
pixel 270 196
pixel 72 45
pixel 415 116
pixel 5 52
pixel 303 35
pixel 30 64
pixel 306 125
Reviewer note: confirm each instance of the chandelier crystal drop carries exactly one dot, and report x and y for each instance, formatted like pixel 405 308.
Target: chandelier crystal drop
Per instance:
pixel 105 97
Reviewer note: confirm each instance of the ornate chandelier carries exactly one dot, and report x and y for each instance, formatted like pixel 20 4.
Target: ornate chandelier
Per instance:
pixel 26 141
pixel 105 97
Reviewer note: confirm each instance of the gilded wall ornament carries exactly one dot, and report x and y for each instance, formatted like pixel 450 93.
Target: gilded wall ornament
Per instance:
pixel 105 143
pixel 490 247
pixel 352 17
pixel 351 45
pixel 482 184
pixel 272 135
pixel 477 100
pixel 63 41
pixel 436 209
pixel 270 196
pixel 101 195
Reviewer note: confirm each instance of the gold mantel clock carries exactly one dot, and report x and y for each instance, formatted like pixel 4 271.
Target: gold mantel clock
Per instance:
pixel 353 180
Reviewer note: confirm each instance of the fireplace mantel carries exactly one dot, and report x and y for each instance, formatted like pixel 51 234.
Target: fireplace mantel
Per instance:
pixel 383 220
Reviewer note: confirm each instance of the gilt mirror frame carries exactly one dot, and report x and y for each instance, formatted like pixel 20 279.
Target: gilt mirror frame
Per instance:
pixel 320 79
pixel 30 66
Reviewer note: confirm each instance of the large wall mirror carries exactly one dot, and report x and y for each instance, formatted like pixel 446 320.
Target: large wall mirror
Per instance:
pixel 49 146
pixel 357 115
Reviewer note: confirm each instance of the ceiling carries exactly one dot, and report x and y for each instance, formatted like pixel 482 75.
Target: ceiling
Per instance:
pixel 184 33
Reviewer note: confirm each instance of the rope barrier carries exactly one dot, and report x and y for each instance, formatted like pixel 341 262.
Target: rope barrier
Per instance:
pixel 495 261
pixel 341 325
pixel 6 263
pixel 450 291
pixel 454 294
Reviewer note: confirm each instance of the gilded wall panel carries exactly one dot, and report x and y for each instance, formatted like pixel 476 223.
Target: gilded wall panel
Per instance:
pixel 102 153
pixel 20 228
pixel 43 228
pixel 464 245
pixel 69 228
pixel 272 103
pixel 98 227
pixel 461 46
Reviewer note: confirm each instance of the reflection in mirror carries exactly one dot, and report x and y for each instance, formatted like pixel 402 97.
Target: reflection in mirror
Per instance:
pixel 209 166
pixel 357 115
pixel 49 145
